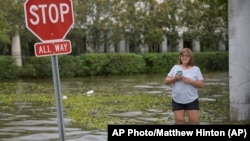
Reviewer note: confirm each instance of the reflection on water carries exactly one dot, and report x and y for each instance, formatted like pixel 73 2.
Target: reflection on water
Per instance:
pixel 23 125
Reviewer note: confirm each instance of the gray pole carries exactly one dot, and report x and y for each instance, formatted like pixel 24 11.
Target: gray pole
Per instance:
pixel 239 56
pixel 16 49
pixel 57 88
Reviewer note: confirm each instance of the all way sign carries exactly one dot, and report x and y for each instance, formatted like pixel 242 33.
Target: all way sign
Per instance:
pixel 53 48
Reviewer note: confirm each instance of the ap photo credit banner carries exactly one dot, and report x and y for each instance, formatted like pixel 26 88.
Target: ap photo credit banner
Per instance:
pixel 163 132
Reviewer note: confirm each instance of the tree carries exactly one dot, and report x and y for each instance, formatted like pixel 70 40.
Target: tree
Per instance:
pixel 4 37
pixel 206 20
pixel 14 16
pixel 102 23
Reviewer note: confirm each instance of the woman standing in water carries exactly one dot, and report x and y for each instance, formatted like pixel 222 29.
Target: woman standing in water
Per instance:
pixel 185 78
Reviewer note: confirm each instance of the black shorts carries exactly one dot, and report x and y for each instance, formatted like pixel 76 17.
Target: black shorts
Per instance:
pixel 189 106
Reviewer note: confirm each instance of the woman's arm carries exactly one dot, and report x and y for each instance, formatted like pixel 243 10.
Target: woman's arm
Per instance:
pixel 195 83
pixel 198 83
pixel 171 80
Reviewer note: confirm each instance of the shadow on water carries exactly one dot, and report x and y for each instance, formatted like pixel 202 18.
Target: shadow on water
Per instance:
pixel 20 122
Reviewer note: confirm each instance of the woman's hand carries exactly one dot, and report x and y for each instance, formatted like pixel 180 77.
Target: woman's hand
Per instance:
pixel 178 77
pixel 187 80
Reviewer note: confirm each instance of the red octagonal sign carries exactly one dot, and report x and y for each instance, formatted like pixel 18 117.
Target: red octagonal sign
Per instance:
pixel 49 19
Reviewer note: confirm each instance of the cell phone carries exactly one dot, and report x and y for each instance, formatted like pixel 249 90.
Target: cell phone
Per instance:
pixel 179 73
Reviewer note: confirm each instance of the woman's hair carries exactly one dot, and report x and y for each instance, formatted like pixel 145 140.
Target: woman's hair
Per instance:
pixel 190 53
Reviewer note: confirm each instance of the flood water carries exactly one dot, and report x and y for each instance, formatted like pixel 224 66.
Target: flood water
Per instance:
pixel 23 125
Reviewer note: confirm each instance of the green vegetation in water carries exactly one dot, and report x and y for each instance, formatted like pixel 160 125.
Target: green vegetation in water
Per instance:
pixel 99 110
pixel 95 111
pixel 103 107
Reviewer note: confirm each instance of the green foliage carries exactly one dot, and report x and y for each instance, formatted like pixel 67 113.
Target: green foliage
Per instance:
pixel 103 108
pixel 67 65
pixel 5 28
pixel 101 64
pixel 13 14
pixel 8 69
pixel 92 64
pixel 109 64
pixel 106 104
pixel 42 66
pixel 212 61
pixel 125 64
pixel 113 21
pixel 95 112
pixel 27 71
pixel 160 62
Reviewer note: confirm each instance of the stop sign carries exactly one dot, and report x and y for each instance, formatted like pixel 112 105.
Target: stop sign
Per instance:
pixel 49 19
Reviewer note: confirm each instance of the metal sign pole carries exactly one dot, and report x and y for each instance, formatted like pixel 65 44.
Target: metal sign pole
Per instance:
pixel 56 79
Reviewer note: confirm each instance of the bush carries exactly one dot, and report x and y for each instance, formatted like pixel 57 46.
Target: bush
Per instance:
pixel 42 66
pixel 8 69
pixel 67 65
pixel 160 62
pixel 125 64
pixel 94 64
